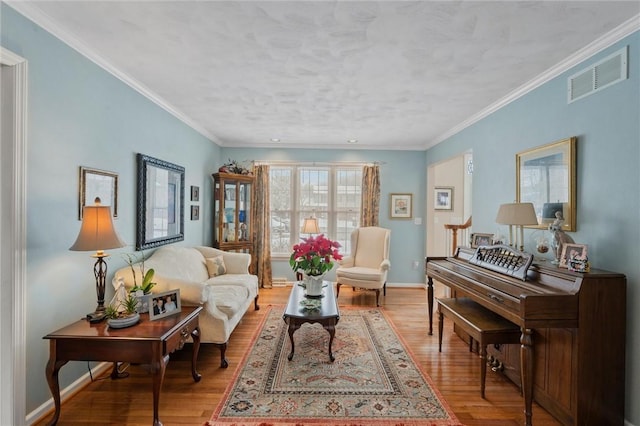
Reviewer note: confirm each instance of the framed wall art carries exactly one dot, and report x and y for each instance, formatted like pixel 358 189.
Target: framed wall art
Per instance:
pixel 401 206
pixel 101 184
pixel 443 198
pixel 195 193
pixel 165 304
pixel 160 203
pixel 195 212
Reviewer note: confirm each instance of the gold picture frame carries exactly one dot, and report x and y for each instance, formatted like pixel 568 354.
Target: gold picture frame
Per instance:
pixel 401 206
pixel 97 183
pixel 546 177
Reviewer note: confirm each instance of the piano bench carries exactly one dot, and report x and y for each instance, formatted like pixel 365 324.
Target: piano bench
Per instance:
pixel 483 325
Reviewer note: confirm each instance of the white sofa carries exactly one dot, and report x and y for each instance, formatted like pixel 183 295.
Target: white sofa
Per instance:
pixel 225 297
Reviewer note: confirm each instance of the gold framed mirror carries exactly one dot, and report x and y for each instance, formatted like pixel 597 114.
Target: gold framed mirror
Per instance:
pixel 546 177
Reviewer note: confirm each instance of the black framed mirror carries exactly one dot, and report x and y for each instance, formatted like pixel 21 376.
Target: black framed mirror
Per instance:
pixel 160 203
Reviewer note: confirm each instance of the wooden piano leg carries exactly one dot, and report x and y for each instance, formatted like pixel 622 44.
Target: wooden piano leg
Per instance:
pixel 430 303
pixel 526 366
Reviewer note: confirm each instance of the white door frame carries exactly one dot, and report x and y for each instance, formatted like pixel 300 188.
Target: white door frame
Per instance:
pixel 13 247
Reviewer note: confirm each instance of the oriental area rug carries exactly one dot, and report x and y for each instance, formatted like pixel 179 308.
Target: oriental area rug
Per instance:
pixel 373 380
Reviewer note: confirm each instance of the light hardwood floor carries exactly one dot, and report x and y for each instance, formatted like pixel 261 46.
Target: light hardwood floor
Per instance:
pixel 455 372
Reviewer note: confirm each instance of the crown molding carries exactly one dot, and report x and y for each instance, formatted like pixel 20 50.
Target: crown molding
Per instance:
pixel 43 20
pixel 625 29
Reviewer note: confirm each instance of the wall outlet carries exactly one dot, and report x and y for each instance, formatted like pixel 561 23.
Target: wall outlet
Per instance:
pixel 416 264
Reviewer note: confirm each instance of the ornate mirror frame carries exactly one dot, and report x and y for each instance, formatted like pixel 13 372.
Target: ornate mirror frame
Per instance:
pixel 546 177
pixel 160 203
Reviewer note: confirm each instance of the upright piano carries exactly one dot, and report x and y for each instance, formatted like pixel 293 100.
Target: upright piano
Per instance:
pixel 571 360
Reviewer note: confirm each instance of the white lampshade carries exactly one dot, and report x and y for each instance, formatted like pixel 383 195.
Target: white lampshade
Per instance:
pixel 310 226
pixel 517 214
pixel 97 231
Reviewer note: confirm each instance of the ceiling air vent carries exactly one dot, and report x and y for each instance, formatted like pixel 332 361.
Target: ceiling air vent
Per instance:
pixel 608 71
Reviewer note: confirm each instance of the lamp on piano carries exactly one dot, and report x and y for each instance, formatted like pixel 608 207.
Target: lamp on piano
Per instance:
pixel 518 215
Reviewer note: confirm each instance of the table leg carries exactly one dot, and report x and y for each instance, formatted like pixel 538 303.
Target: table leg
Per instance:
pixel 195 335
pixel 52 369
pixel 526 365
pixel 158 367
pixel 430 303
pixel 331 328
pixel 293 326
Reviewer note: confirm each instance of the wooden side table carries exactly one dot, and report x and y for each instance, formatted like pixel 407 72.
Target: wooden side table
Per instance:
pixel 148 342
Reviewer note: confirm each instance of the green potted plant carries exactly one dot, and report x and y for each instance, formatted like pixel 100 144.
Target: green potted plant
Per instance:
pixel 142 291
pixel 126 317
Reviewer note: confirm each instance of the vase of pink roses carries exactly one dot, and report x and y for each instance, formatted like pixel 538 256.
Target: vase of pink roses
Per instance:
pixel 314 256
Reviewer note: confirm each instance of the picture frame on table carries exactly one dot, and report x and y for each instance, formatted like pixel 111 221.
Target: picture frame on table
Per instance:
pixel 443 198
pixel 94 183
pixel 569 250
pixel 401 206
pixel 165 304
pixel 479 239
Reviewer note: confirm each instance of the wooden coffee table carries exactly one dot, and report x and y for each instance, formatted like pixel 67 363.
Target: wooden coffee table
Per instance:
pixel 148 342
pixel 327 313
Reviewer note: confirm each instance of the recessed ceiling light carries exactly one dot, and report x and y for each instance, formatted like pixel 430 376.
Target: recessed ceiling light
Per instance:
pixel 352 141
pixel 275 140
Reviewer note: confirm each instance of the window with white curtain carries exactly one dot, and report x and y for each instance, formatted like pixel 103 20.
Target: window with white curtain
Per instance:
pixel 330 193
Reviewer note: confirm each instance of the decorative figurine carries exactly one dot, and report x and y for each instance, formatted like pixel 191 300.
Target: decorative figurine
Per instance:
pixel 558 237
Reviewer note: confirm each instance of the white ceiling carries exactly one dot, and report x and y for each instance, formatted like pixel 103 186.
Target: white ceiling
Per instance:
pixel 391 74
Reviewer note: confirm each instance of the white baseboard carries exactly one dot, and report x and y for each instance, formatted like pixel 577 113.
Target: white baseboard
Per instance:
pixel 48 406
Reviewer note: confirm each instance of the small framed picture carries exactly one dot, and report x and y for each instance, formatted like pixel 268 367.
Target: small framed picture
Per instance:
pixel 478 239
pixel 401 206
pixel 195 212
pixel 195 193
pixel 101 184
pixel 165 304
pixel 443 198
pixel 570 250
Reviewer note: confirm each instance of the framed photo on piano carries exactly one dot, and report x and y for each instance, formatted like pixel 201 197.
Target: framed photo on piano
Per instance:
pixel 569 251
pixel 478 239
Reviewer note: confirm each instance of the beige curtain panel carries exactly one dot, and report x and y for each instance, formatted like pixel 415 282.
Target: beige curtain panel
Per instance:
pixel 370 196
pixel 261 259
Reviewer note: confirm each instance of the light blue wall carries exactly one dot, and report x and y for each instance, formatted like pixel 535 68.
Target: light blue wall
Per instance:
pixel 400 171
pixel 608 151
pixel 80 115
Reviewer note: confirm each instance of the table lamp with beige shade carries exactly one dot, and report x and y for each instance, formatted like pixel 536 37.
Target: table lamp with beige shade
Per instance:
pixel 97 233
pixel 518 215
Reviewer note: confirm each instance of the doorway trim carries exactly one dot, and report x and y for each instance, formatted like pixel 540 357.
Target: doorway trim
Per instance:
pixel 13 251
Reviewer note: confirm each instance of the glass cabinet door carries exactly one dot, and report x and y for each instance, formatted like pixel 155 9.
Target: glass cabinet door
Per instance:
pixel 232 223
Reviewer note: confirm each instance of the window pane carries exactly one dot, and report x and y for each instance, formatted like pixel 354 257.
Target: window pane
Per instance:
pixel 329 193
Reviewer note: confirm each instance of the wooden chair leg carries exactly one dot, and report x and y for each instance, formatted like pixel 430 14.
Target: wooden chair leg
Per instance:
pixel 377 297
pixel 440 328
pixel 337 290
pixel 384 289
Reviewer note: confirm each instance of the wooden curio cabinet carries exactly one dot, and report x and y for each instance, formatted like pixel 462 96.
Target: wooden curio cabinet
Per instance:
pixel 232 212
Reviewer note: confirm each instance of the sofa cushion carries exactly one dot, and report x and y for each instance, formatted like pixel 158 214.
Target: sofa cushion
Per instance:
pixel 229 299
pixel 215 266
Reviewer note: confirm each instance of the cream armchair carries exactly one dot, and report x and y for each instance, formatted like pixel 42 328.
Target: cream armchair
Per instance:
pixel 367 265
